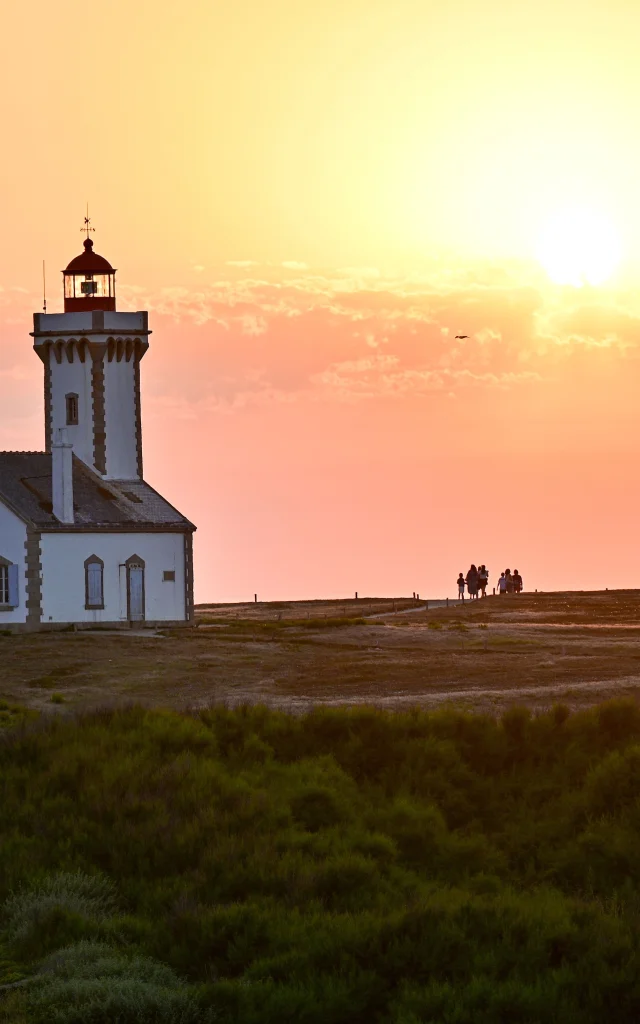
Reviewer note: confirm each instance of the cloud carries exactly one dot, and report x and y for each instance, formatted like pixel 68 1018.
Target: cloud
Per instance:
pixel 356 334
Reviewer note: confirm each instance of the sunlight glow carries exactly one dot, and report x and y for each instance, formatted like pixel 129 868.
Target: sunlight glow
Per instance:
pixel 579 246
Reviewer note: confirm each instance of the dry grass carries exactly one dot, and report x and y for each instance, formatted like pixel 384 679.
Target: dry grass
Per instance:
pixel 577 648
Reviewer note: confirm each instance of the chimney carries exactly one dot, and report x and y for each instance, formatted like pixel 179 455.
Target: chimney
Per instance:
pixel 62 477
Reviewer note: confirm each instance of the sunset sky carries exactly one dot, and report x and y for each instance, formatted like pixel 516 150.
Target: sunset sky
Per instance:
pixel 312 199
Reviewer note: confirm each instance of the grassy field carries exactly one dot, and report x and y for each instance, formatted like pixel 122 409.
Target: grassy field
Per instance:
pixel 174 851
pixel 535 649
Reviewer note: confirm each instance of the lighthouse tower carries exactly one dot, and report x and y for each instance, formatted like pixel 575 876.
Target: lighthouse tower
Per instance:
pixel 91 355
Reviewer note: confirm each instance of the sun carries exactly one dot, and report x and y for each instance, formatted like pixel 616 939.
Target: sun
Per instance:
pixel 579 246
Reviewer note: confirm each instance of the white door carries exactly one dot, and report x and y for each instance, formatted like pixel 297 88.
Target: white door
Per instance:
pixel 136 592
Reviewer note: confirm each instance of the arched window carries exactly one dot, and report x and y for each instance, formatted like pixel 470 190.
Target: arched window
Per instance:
pixel 9 596
pixel 72 409
pixel 93 582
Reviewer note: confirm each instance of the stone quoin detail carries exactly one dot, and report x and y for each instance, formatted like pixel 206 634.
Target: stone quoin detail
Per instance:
pixel 97 405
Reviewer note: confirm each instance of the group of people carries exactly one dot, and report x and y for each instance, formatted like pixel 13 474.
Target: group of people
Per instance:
pixel 477 579
pixel 510 582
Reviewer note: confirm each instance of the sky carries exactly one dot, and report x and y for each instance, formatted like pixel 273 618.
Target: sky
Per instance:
pixel 312 200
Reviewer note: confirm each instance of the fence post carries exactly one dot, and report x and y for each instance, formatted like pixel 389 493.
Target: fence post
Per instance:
pixel 255 598
pixel 356 595
pixel 447 602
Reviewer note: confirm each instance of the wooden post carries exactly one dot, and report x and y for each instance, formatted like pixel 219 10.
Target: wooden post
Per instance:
pixel 494 591
pixel 447 602
pixel 255 598
pixel 356 595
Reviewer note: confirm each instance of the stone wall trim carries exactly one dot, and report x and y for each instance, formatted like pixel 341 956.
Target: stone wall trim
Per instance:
pixel 97 398
pixel 33 585
pixel 189 610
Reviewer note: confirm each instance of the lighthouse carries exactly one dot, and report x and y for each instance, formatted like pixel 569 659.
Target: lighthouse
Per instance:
pixel 91 355
pixel 84 539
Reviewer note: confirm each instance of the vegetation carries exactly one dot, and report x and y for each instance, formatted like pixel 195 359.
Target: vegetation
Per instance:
pixel 343 866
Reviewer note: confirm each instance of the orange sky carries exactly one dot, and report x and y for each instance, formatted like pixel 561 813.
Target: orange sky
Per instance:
pixel 312 200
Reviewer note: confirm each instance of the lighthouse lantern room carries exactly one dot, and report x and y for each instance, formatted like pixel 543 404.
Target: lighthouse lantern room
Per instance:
pixel 89 282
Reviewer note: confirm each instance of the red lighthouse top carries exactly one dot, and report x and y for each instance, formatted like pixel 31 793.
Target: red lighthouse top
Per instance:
pixel 89 282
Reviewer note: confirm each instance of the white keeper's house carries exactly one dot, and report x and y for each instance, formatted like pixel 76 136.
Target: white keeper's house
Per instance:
pixel 83 538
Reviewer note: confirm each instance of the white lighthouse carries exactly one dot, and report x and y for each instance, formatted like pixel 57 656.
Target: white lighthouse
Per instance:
pixel 91 356
pixel 83 538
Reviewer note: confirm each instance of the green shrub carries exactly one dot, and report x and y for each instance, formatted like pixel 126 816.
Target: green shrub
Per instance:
pixel 105 1000
pixel 87 959
pixel 61 908
pixel 348 865
pixel 615 782
pixel 317 807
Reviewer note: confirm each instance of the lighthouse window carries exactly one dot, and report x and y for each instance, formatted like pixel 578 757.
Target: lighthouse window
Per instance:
pixel 84 286
pixel 72 410
pixel 89 286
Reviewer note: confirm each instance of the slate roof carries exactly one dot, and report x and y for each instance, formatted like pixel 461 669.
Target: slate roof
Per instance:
pixel 25 486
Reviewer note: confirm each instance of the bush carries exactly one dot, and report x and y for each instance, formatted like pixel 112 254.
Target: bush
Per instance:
pixel 614 784
pixel 62 907
pixel 105 1000
pixel 346 866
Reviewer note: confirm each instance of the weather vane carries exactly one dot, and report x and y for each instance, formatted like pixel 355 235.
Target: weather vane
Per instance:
pixel 87 223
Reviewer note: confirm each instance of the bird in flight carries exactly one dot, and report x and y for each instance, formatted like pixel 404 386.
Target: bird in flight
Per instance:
pixel 462 335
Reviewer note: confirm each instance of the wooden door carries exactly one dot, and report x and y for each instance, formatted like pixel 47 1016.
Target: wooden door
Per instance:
pixel 135 588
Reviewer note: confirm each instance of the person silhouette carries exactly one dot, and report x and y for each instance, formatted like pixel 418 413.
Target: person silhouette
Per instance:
pixel 483 579
pixel 472 582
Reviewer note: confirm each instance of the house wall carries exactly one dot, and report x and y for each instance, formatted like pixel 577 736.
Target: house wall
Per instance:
pixel 63 575
pixel 120 419
pixel 13 537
